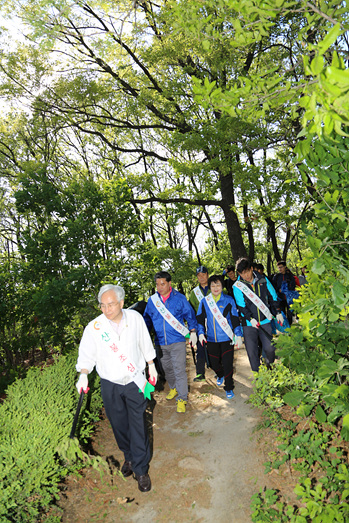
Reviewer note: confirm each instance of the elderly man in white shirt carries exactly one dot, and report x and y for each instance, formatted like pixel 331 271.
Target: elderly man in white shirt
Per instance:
pixel 118 344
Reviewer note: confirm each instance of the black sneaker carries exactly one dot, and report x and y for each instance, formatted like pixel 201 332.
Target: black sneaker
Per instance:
pixel 199 377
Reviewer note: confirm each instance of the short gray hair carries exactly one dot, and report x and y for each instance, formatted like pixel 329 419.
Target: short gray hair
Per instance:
pixel 118 291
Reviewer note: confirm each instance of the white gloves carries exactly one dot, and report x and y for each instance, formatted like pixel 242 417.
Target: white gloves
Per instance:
pixel 239 342
pixel 254 323
pixel 82 384
pixel 153 374
pixel 280 318
pixel 193 338
pixel 202 339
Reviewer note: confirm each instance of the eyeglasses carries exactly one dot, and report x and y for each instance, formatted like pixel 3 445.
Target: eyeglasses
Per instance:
pixel 108 305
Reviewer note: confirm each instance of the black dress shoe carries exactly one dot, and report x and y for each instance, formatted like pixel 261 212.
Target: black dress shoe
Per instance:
pixel 126 469
pixel 144 483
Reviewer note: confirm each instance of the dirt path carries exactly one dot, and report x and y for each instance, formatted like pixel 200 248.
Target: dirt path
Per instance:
pixel 205 466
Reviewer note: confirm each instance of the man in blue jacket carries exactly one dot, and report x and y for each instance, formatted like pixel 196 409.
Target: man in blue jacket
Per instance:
pixel 166 312
pixel 218 321
pixel 258 304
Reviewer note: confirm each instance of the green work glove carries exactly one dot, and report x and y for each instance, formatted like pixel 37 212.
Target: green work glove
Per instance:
pixel 148 389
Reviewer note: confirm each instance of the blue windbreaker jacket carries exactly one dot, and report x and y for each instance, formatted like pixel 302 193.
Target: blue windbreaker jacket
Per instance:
pixel 228 309
pixel 181 309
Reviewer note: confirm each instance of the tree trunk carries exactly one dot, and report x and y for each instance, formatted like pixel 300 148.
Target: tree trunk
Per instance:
pixel 233 226
pixel 251 249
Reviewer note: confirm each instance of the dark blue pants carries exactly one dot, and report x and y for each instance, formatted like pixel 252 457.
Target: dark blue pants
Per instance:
pixel 125 408
pixel 251 338
pixel 200 359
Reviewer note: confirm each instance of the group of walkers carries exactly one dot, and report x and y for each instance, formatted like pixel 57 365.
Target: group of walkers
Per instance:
pixel 220 315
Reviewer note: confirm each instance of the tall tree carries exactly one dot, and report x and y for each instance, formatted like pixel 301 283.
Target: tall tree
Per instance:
pixel 131 87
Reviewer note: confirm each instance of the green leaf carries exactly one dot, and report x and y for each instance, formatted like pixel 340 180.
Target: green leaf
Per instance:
pixel 338 293
pixel 327 369
pixel 320 414
pixel 345 428
pixel 341 391
pixel 304 409
pixel 329 39
pixel 338 75
pixel 317 65
pixel 333 316
pixel 318 266
pixel 321 329
pixel 294 398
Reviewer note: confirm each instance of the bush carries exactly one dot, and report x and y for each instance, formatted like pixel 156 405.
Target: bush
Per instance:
pixel 312 448
pixel 36 420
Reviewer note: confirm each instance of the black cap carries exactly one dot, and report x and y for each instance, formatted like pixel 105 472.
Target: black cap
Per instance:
pixel 201 269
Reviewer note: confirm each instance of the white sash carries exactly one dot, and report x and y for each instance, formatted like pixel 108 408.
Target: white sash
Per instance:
pixel 108 340
pixel 222 321
pixel 198 293
pixel 254 298
pixel 168 316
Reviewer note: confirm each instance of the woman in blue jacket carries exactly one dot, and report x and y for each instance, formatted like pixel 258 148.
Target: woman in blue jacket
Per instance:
pixel 218 321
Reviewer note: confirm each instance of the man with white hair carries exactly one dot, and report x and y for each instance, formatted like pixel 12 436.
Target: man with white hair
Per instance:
pixel 118 344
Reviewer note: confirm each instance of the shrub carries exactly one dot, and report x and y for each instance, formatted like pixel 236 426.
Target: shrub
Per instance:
pixel 310 446
pixel 36 420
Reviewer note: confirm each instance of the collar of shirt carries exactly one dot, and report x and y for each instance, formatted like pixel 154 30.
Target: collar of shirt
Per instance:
pixel 164 298
pixel 217 298
pixel 204 290
pixel 255 279
pixel 117 327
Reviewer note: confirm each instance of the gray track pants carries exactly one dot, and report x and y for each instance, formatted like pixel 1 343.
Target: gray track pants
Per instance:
pixel 173 362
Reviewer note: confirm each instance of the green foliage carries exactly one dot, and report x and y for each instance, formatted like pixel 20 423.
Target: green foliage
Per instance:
pixel 35 450
pixel 316 350
pixel 152 259
pixel 72 239
pixel 189 112
pixel 307 445
pixel 326 103
pixel 269 388
pixel 267 507
pixel 136 111
pixel 317 347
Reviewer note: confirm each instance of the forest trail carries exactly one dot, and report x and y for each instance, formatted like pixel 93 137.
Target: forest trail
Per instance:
pixel 206 463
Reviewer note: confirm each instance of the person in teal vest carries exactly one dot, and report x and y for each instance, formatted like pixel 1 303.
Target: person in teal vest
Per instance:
pixel 258 304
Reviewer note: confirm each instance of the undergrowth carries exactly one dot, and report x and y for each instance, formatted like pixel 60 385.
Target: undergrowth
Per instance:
pixel 35 450
pixel 313 451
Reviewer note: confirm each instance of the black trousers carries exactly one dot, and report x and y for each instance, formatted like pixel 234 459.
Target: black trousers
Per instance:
pixel 125 408
pixel 221 357
pixel 200 359
pixel 252 336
